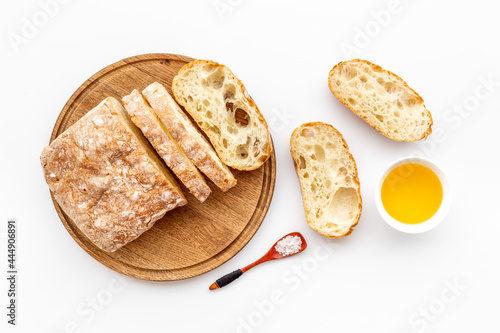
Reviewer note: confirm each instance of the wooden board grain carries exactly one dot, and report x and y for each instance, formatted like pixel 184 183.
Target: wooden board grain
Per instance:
pixel 189 240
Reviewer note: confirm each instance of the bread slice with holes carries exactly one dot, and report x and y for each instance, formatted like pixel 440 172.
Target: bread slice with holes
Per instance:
pixel 219 102
pixel 328 179
pixel 188 137
pixel 382 99
pixel 160 138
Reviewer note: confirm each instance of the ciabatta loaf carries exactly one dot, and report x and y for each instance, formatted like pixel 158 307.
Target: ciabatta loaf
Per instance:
pixel 160 138
pixel 107 178
pixel 382 99
pixel 188 137
pixel 218 101
pixel 328 179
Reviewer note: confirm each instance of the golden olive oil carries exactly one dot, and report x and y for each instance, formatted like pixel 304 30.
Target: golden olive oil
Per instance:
pixel 412 193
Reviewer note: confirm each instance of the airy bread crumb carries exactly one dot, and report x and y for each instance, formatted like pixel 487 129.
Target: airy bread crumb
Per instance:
pixel 382 99
pixel 328 178
pixel 220 104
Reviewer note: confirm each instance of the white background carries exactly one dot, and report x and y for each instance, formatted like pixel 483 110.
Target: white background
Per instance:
pixel 377 279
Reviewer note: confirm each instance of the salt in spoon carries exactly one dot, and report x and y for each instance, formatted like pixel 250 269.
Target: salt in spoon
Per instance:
pixel 272 254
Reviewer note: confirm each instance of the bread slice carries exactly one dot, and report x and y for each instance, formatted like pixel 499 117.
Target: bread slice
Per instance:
pixel 153 129
pixel 188 137
pixel 382 99
pixel 107 178
pixel 328 179
pixel 220 104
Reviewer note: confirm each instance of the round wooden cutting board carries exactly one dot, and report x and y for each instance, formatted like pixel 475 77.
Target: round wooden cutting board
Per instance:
pixel 189 240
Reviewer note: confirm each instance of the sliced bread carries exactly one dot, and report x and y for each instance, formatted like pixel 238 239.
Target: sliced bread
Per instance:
pixel 160 138
pixel 328 179
pixel 218 101
pixel 382 99
pixel 107 178
pixel 188 137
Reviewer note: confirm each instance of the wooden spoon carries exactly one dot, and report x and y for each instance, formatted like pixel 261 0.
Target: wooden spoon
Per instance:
pixel 272 254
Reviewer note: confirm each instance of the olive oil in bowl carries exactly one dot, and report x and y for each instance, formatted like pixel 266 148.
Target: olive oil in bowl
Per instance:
pixel 413 195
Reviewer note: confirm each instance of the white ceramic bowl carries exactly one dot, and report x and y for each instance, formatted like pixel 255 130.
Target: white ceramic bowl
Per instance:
pixel 431 223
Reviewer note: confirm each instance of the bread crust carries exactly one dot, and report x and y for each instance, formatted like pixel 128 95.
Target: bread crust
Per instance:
pixel 375 125
pixel 166 146
pixel 264 156
pixel 194 144
pixel 355 178
pixel 105 181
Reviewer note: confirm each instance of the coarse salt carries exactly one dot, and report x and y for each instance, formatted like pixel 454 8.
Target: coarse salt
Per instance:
pixel 289 245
